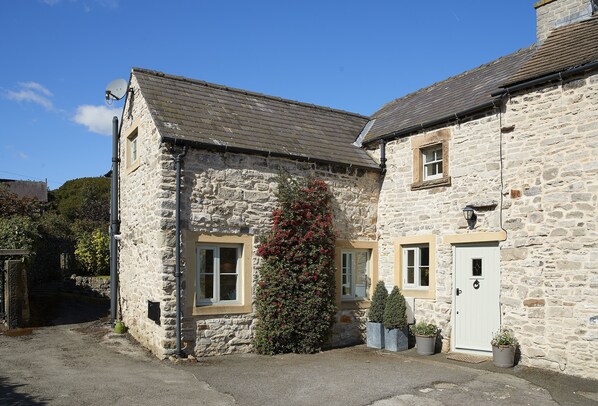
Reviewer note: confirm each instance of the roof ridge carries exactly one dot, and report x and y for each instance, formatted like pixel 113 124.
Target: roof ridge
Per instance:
pixel 243 91
pixel 436 84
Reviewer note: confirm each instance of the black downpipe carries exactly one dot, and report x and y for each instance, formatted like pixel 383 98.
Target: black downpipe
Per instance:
pixel 114 223
pixel 383 156
pixel 177 272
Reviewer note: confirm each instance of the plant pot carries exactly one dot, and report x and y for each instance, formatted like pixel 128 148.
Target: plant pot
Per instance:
pixel 396 339
pixel 375 335
pixel 425 345
pixel 503 356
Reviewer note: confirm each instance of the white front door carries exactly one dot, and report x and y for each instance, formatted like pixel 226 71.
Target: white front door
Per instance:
pixel 476 293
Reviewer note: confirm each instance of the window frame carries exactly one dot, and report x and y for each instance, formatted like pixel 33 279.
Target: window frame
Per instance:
pixel 402 243
pixel 431 164
pixel 243 304
pixel 417 266
pixel 353 282
pixel 216 272
pixel 420 144
pixel 132 137
pixel 356 245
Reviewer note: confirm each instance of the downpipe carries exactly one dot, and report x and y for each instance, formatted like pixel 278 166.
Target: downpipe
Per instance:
pixel 177 272
pixel 114 223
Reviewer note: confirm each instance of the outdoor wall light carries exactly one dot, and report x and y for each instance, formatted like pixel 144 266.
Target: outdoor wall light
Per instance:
pixel 470 216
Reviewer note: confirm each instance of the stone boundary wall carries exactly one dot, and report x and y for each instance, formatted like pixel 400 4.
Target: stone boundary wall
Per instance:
pixel 95 284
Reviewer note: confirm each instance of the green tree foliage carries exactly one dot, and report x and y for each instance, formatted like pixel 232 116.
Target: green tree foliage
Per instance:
pixel 83 199
pixel 14 205
pixel 376 311
pixel 93 252
pixel 295 296
pixel 18 232
pixel 395 313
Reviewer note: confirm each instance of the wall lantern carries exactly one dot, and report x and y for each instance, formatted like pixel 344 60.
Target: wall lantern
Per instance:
pixel 470 216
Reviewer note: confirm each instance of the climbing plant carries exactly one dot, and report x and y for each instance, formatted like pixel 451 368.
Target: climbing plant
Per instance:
pixel 295 295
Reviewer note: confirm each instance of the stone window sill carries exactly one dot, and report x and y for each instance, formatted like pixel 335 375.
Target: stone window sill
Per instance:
pixel 428 184
pixel 218 310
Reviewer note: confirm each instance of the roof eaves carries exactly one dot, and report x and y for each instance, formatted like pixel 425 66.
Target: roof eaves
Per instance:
pixel 225 148
pixel 433 123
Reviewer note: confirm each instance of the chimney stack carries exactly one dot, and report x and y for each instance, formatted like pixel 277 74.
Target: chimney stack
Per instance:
pixel 552 14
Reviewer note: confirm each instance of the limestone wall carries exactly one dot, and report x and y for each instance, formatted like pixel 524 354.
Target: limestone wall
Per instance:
pixel 402 212
pixel 141 264
pixel 550 260
pixel 228 192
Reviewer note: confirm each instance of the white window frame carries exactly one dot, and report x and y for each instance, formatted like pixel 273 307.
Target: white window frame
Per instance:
pixel 353 275
pixel 416 285
pixel 133 148
pixel 431 164
pixel 216 273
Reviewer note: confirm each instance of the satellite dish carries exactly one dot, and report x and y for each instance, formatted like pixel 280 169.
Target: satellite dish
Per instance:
pixel 116 89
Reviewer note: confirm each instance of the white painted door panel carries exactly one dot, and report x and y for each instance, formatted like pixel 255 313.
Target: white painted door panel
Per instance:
pixel 477 289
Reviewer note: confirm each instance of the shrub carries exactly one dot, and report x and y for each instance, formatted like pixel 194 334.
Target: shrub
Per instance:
pixel 376 311
pixel 295 295
pixel 395 313
pixel 19 232
pixel 504 337
pixel 425 329
pixel 93 252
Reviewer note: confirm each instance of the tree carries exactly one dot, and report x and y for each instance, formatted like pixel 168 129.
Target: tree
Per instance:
pixel 395 313
pixel 295 295
pixel 376 311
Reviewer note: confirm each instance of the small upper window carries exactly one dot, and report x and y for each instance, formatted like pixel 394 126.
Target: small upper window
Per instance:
pixel 432 162
pixel 416 267
pixel 133 146
pixel 355 274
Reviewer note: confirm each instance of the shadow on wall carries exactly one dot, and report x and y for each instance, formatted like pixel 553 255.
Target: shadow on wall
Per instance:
pixel 10 394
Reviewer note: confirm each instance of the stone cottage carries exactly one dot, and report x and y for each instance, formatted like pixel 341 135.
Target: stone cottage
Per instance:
pixel 512 145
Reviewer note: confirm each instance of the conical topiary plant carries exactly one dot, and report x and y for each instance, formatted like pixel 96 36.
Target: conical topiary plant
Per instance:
pixel 395 313
pixel 376 311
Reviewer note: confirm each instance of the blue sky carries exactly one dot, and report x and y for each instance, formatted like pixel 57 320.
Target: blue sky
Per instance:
pixel 59 55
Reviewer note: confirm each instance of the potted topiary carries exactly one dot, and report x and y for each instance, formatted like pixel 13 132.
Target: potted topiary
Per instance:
pixel 425 337
pixel 396 337
pixel 375 324
pixel 504 345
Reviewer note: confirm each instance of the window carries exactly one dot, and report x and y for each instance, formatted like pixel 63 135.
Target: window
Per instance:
pixel 430 159
pixel 432 162
pixel 133 147
pixel 355 274
pixel 416 267
pixel 218 273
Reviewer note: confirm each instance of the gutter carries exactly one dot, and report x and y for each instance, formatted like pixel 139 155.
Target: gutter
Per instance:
pixel 545 79
pixel 224 148
pixel 177 272
pixel 446 119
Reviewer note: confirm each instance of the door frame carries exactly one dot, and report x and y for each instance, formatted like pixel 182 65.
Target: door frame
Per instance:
pixel 471 239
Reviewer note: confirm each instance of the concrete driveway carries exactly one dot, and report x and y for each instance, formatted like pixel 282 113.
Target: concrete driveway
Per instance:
pixel 85 365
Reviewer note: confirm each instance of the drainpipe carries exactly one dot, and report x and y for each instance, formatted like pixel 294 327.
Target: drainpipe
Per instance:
pixel 177 272
pixel 114 223
pixel 383 155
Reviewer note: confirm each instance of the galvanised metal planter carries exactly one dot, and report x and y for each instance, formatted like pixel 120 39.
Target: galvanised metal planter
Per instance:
pixel 375 335
pixel 425 345
pixel 503 356
pixel 396 339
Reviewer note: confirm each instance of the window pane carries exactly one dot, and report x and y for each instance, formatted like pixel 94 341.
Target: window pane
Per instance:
pixel 228 287
pixel 361 273
pixel 424 256
pixel 411 257
pixel 424 276
pixel 410 275
pixel 206 261
pixel 228 260
pixel 476 265
pixel 347 274
pixel 206 286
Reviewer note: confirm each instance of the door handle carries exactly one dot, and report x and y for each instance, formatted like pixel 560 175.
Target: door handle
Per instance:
pixel 458 291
